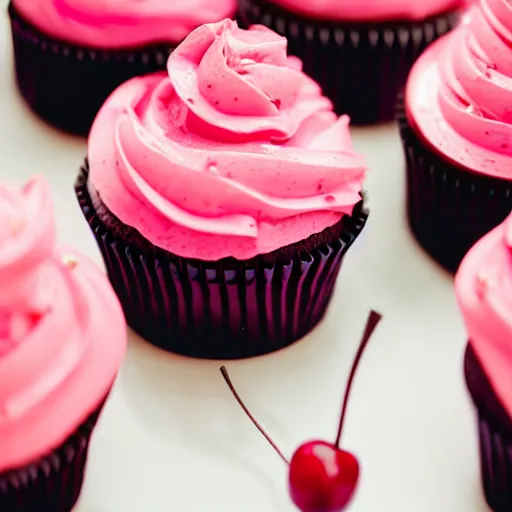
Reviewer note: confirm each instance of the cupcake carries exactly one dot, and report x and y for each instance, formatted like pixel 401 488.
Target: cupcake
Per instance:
pixel 360 52
pixel 484 290
pixel 455 123
pixel 223 195
pixel 71 54
pixel 62 338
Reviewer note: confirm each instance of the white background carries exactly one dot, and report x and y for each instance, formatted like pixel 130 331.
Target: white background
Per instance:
pixel 173 439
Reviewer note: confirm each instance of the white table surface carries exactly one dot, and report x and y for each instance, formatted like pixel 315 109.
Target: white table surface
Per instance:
pixel 172 438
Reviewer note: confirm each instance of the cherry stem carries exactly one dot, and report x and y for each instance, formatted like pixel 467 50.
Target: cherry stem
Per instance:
pixel 371 324
pixel 250 416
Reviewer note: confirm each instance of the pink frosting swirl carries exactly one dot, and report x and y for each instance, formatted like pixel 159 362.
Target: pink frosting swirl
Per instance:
pixel 460 92
pixel 476 93
pixel 56 313
pixel 234 153
pixel 375 10
pixel 122 23
pixel 23 245
pixel 484 291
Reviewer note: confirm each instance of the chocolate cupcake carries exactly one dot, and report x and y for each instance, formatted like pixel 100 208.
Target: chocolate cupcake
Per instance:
pixel 455 125
pixel 359 52
pixel 71 54
pixel 484 291
pixel 62 338
pixel 223 196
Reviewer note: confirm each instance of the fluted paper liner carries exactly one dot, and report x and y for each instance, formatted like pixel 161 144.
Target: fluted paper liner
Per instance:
pixel 225 309
pixel 494 439
pixel 449 208
pixel 52 483
pixel 66 84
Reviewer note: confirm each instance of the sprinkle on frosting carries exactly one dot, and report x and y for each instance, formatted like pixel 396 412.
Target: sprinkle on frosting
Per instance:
pixel 55 364
pixel 484 291
pixel 482 284
pixel 374 10
pixel 70 261
pixel 122 23
pixel 459 93
pixel 235 152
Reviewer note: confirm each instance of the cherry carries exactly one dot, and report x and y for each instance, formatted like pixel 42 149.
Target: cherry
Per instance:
pixel 322 477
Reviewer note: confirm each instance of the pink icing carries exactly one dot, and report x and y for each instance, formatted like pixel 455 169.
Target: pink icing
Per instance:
pixel 459 93
pixel 370 10
pixel 484 290
pixel 234 153
pixel 122 23
pixel 62 331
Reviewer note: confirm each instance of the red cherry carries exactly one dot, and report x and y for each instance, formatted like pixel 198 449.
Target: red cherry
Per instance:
pixel 322 478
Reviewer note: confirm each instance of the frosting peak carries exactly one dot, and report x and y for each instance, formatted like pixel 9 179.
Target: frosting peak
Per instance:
pixel 460 91
pixel 56 311
pixel 484 291
pixel 234 153
pixel 476 90
pixel 242 81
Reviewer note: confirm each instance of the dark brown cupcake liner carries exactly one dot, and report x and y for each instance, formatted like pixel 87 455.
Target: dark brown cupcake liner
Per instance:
pixel 494 436
pixel 449 208
pixel 226 309
pixel 361 66
pixel 66 84
pixel 54 482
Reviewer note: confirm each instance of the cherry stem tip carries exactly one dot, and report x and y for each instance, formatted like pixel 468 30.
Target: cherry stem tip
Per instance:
pixel 225 374
pixel 373 320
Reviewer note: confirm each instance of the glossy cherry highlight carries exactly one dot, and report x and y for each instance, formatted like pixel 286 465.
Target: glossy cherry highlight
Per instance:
pixel 322 476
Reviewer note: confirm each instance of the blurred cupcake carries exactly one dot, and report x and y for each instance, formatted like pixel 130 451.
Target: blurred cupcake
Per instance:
pixel 360 52
pixel 62 337
pixel 71 54
pixel 484 290
pixel 457 134
pixel 223 196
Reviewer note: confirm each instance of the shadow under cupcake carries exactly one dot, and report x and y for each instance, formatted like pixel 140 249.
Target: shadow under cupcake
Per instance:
pixel 223 196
